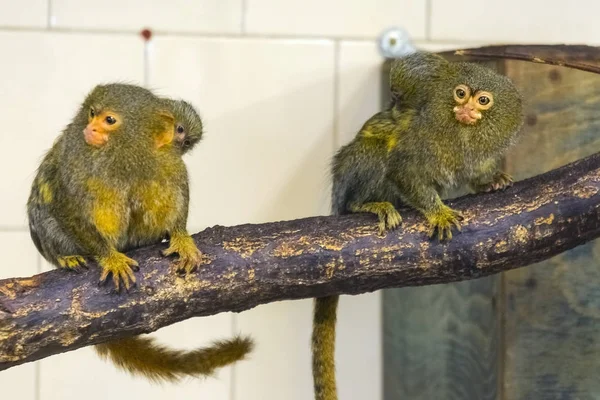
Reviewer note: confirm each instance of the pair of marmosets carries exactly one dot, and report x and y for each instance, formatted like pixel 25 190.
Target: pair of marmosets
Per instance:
pixel 115 180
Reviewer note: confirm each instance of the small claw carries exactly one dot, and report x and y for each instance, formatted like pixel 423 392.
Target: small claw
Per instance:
pixel 398 223
pixel 444 221
pixel 187 265
pixel 129 274
pixel 382 227
pixel 189 255
pixel 168 251
pixel 73 263
pixel 394 220
pixel 121 268
pixel 81 262
pixel 103 275
pixel 185 268
pixel 179 269
pixel 431 231
pixel 192 267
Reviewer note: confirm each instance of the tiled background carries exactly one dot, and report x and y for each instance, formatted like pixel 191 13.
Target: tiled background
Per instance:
pixel 280 84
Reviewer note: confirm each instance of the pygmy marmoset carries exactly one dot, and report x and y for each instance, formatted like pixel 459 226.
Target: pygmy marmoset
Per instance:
pixel 449 125
pixel 114 180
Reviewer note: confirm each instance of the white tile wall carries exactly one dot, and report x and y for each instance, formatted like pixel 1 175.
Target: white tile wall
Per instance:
pixel 269 135
pixel 44 77
pixel 280 367
pixel 359 347
pixel 339 18
pixel 267 107
pixel 19 259
pixel 24 14
pixel 63 378
pixel 280 85
pixel 516 21
pixel 214 16
pixel 359 88
pixel 70 375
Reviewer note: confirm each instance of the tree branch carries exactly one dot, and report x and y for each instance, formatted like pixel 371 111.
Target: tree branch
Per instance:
pixel 59 311
pixel 582 57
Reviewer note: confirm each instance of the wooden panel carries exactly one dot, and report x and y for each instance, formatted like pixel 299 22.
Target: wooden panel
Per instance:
pixel 441 342
pixel 552 319
pixel 550 347
pixel 552 328
pixel 562 121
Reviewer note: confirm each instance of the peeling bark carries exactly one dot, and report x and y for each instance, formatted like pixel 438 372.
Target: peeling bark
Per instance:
pixel 248 265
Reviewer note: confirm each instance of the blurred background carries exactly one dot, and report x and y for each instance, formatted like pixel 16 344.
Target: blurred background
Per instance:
pixel 280 84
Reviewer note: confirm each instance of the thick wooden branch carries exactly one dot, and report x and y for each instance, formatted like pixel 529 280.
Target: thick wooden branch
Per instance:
pixel 582 57
pixel 59 311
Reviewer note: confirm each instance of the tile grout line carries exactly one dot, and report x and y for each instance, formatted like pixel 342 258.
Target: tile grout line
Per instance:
pixel 233 36
pixel 501 346
pixel 232 392
pixel 428 20
pixel 225 35
pixel 336 93
pixel 381 377
pixel 13 229
pixel 146 63
pixel 49 15
pixel 38 366
pixel 38 388
pixel 244 13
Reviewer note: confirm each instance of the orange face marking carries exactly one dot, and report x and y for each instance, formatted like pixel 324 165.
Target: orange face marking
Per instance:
pixel 100 126
pixel 469 107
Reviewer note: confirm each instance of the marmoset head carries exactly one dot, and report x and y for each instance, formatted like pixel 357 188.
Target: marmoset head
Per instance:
pixel 188 125
pixel 482 96
pixel 463 94
pixel 118 110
